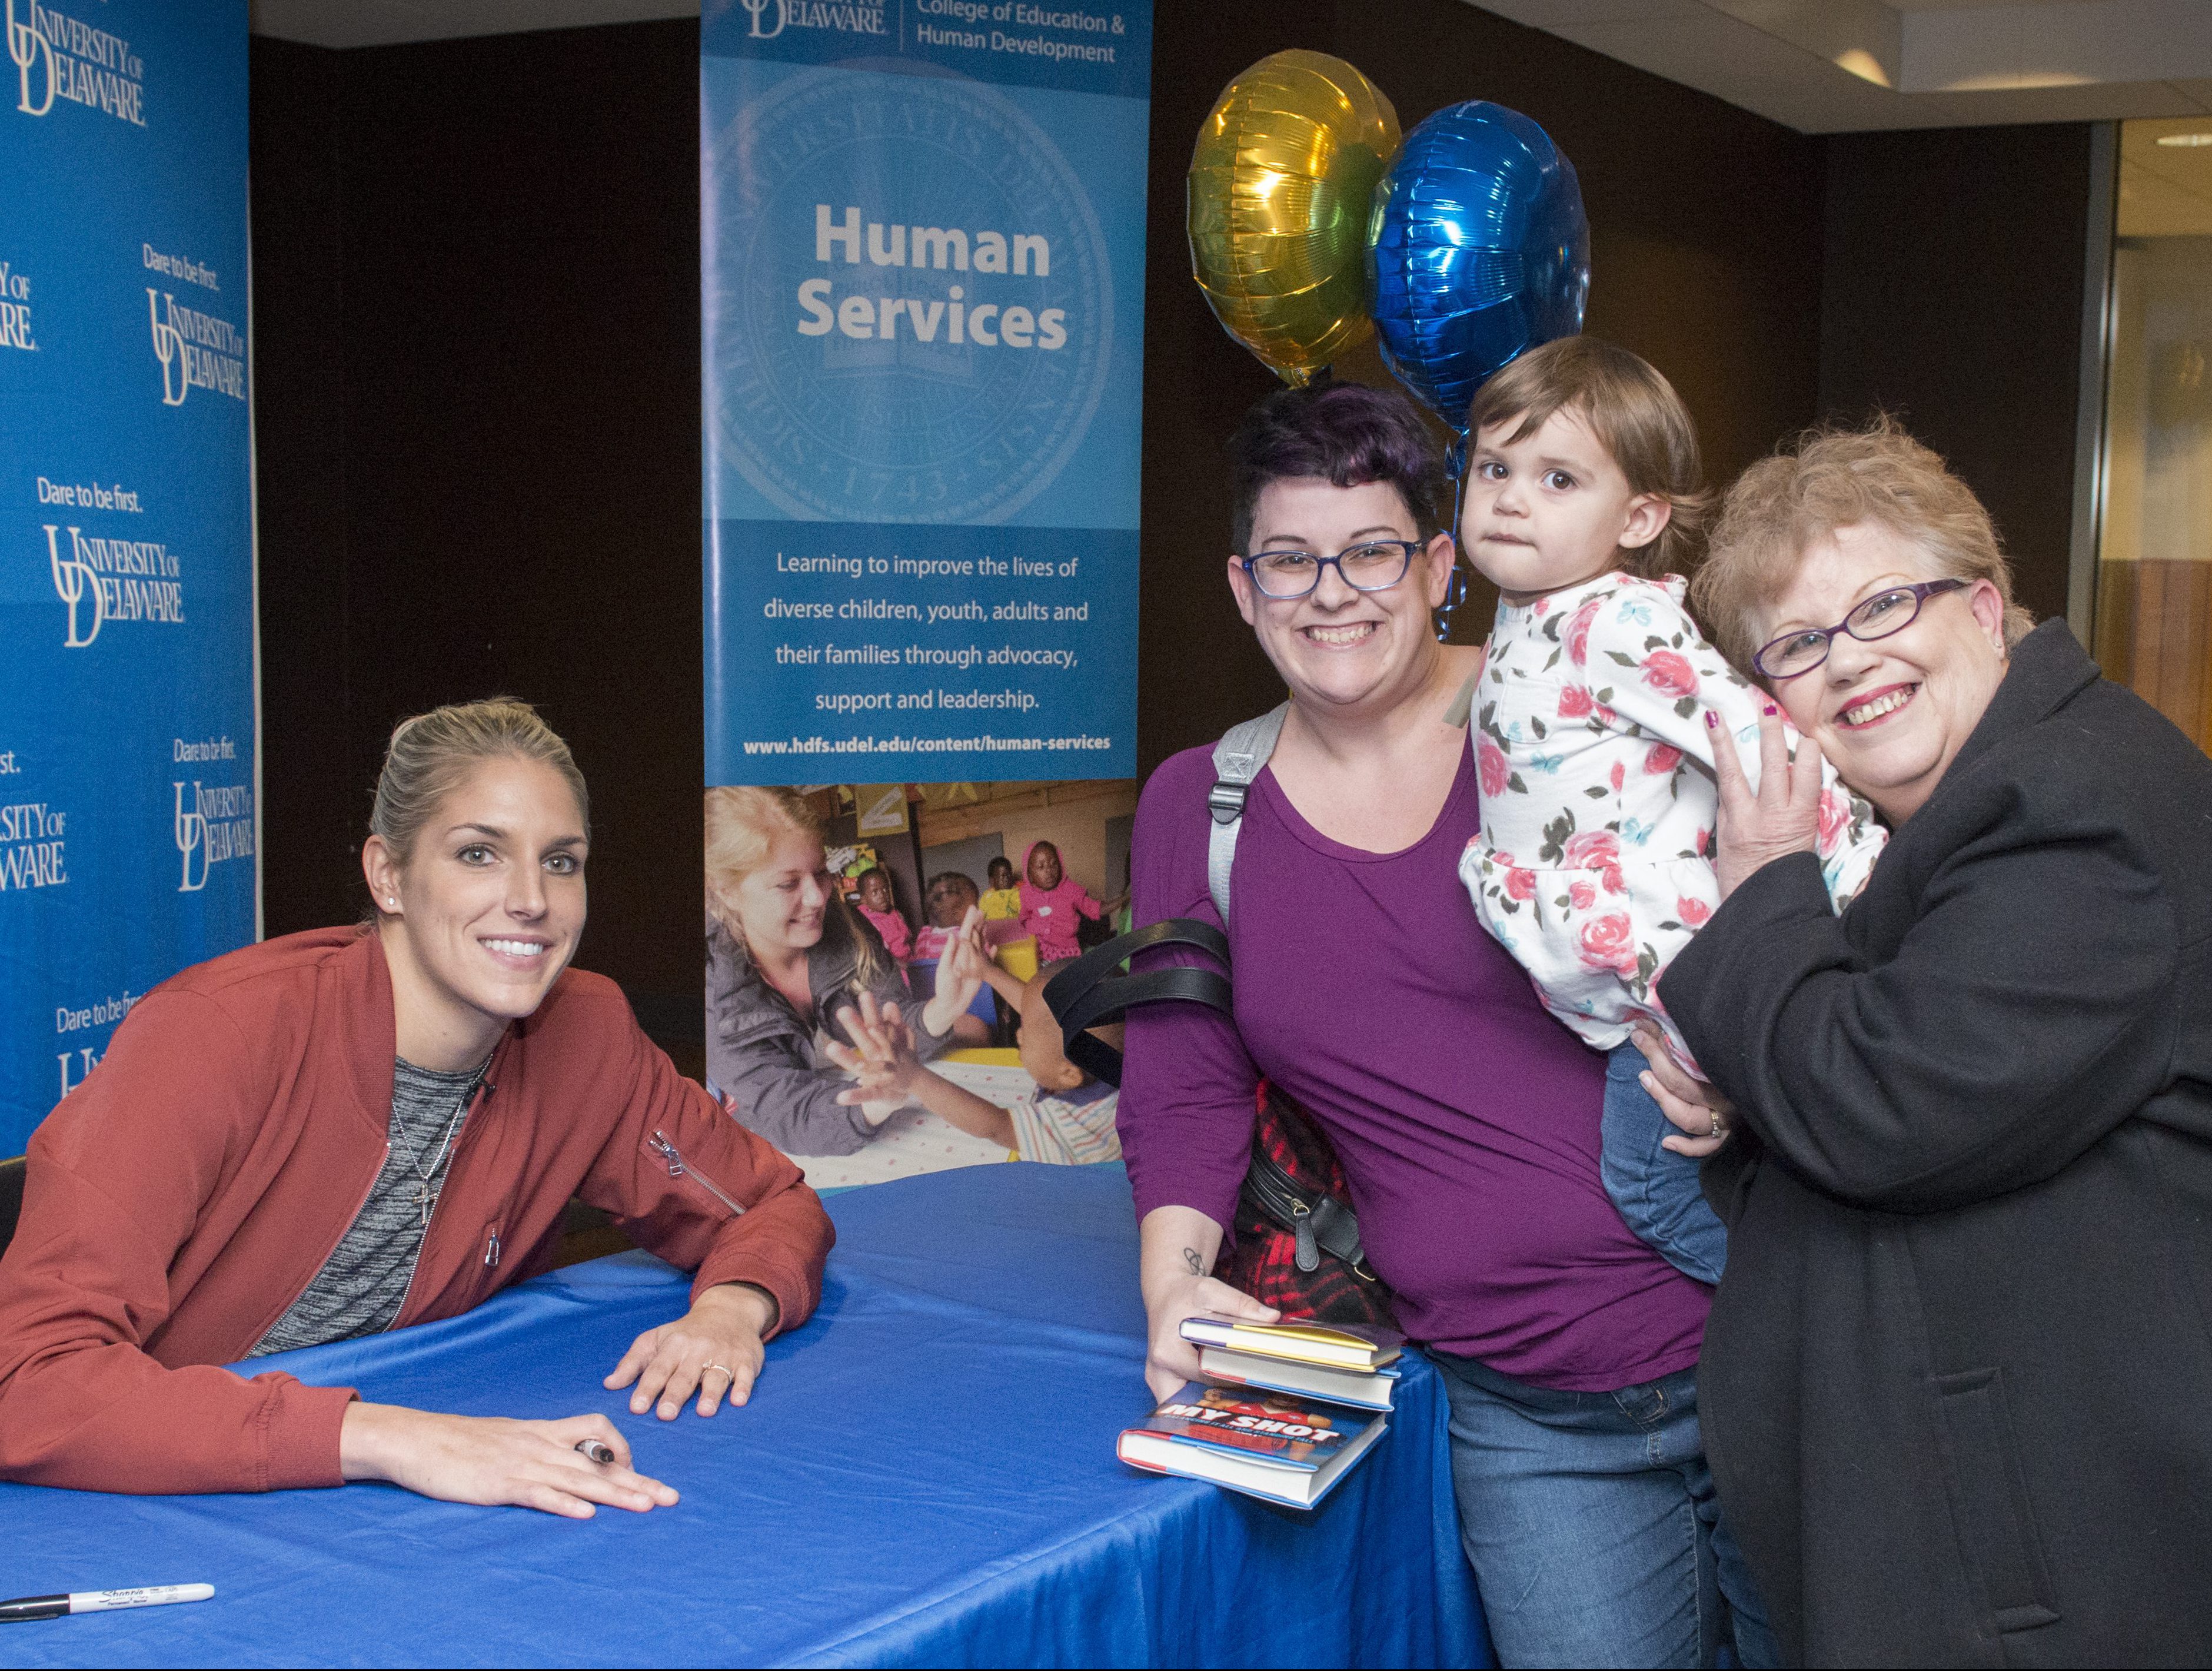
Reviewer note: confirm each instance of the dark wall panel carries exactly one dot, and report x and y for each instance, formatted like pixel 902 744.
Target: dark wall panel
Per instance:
pixel 313 796
pixel 490 437
pixel 1953 299
pixel 523 363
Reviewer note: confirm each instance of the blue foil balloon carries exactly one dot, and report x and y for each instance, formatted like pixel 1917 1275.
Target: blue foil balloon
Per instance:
pixel 1481 252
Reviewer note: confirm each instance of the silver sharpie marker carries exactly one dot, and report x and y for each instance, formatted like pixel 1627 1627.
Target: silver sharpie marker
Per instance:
pixel 25 1607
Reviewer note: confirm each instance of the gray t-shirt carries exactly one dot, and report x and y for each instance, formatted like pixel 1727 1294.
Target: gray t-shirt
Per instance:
pixel 361 1286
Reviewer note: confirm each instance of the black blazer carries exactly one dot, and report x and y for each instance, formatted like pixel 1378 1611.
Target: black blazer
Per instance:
pixel 1957 1388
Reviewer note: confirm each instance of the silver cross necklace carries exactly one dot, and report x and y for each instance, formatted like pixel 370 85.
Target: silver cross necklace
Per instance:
pixel 426 1193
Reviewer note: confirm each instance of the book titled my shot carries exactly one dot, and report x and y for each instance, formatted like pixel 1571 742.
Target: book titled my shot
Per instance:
pixel 1285 1450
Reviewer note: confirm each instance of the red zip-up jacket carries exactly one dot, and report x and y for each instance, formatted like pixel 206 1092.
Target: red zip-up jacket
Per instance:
pixel 183 1196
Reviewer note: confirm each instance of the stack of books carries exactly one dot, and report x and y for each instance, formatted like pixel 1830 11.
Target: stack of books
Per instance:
pixel 1292 1408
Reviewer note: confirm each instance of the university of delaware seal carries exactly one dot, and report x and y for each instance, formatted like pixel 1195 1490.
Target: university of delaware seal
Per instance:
pixel 909 301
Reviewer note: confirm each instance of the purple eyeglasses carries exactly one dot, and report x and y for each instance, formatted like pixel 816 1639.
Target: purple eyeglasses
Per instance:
pixel 1885 612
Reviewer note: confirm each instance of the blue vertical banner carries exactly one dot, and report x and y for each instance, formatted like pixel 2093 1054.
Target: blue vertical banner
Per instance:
pixel 128 801
pixel 922 251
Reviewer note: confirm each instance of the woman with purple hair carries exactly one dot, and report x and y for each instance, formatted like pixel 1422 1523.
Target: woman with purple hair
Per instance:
pixel 1465 1118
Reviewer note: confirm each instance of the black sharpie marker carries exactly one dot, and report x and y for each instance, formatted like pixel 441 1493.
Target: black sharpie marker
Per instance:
pixel 99 1600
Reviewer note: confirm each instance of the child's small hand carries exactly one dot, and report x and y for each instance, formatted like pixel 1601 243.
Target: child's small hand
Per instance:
pixel 959 974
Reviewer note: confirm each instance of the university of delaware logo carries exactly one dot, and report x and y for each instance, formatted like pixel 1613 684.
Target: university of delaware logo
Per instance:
pixel 28 47
pixel 197 350
pixel 100 580
pixel 767 19
pixel 213 826
pixel 57 56
pixel 191 841
pixel 77 586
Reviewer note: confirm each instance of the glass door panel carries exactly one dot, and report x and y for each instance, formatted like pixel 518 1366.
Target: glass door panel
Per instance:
pixel 2153 610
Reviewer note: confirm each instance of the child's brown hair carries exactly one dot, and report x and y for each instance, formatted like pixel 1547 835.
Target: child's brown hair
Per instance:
pixel 1637 417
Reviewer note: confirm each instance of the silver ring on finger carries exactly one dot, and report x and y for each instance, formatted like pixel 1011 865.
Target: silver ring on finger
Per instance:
pixel 1718 1128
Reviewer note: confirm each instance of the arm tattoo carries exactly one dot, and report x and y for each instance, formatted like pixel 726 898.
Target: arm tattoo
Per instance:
pixel 1190 1255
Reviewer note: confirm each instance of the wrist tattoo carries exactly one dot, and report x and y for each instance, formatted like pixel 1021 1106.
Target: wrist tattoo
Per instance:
pixel 1190 1257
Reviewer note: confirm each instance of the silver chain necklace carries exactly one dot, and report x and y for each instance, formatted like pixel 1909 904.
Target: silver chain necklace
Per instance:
pixel 425 1196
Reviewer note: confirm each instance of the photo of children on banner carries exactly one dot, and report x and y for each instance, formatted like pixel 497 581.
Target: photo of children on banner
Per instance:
pixel 787 954
pixel 1067 1119
pixel 859 1063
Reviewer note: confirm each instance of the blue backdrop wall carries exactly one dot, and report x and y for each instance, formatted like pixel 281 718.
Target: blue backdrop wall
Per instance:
pixel 128 767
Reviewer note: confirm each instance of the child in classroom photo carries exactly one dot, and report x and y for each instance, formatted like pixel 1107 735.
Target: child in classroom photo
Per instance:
pixel 880 907
pixel 946 899
pixel 1054 903
pixel 1002 901
pixel 1594 714
pixel 1067 1120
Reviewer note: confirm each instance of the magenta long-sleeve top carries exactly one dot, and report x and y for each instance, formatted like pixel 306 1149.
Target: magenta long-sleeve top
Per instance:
pixel 1467 1119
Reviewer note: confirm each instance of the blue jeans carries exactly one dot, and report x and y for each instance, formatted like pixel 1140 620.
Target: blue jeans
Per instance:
pixel 1592 1526
pixel 1655 1189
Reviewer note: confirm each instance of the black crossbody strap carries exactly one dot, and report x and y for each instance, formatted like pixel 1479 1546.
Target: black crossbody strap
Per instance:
pixel 1321 1222
pixel 1088 993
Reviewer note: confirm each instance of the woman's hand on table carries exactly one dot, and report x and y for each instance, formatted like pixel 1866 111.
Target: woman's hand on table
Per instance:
pixel 492 1461
pixel 713 1349
pixel 1783 817
pixel 959 974
pixel 1697 1110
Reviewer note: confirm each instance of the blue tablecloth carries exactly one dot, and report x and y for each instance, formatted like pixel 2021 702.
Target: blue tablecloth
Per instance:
pixel 925 1476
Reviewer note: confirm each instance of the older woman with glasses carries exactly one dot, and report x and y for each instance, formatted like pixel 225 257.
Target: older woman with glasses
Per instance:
pixel 1956 1378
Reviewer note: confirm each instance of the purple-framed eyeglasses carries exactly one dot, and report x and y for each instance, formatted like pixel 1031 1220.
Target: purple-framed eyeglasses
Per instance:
pixel 1373 565
pixel 1885 612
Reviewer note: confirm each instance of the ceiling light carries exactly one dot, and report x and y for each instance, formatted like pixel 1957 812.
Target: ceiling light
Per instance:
pixel 1863 64
pixel 2189 139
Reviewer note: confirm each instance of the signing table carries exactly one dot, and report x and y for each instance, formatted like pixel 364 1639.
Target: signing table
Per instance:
pixel 925 1476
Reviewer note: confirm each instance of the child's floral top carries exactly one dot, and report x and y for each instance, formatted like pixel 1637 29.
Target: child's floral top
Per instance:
pixel 1593 866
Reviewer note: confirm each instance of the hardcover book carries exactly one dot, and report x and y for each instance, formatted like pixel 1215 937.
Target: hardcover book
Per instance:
pixel 1336 1345
pixel 1372 1391
pixel 1286 1450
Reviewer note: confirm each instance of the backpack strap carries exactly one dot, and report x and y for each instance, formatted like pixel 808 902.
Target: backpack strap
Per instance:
pixel 1089 992
pixel 1238 758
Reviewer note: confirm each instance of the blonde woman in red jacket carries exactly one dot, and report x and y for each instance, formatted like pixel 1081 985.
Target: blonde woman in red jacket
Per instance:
pixel 354 1129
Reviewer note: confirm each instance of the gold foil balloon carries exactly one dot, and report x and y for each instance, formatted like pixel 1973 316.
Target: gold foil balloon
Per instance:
pixel 1281 187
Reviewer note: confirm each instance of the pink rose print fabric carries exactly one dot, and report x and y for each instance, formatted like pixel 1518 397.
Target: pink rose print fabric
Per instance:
pixel 1597 770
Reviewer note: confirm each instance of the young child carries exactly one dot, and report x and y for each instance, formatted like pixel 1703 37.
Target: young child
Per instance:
pixel 946 899
pixel 878 906
pixel 1594 714
pixel 1068 1120
pixel 1003 903
pixel 1051 903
